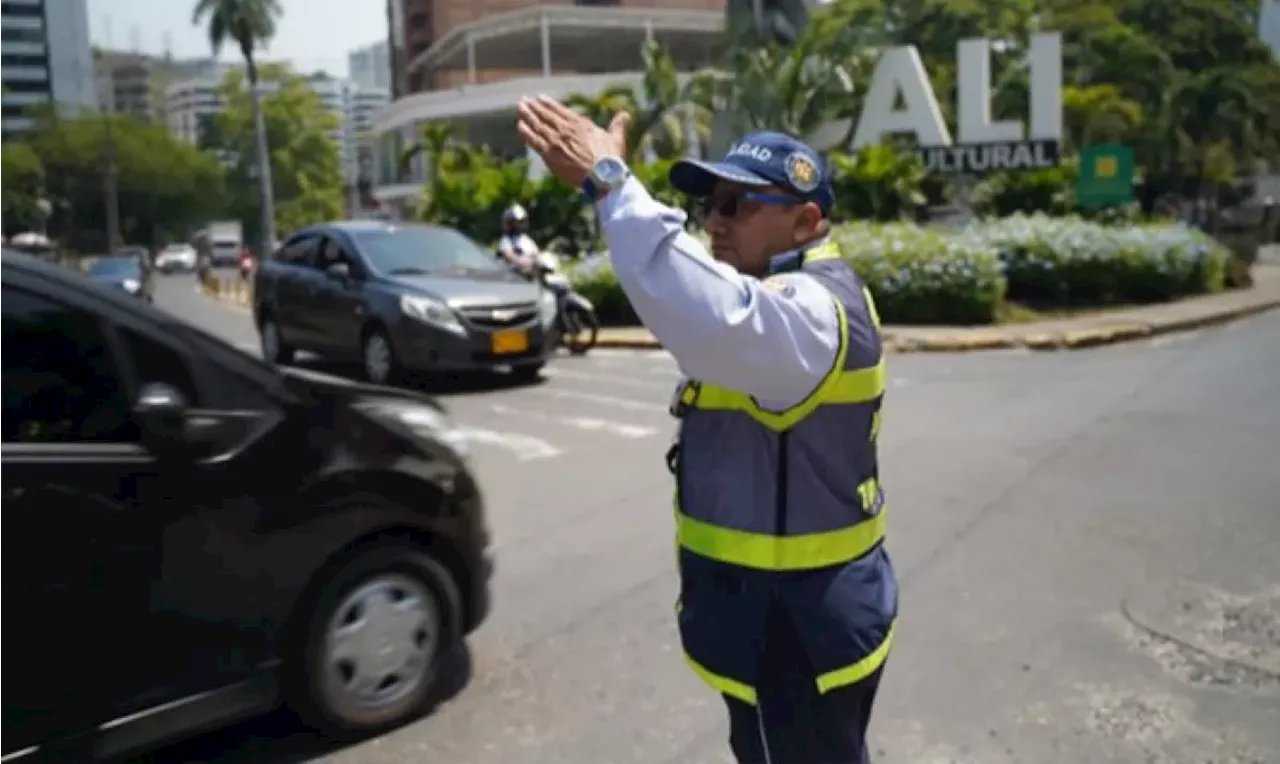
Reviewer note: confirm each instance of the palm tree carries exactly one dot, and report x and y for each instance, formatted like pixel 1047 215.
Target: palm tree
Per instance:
pixel 663 112
pixel 250 24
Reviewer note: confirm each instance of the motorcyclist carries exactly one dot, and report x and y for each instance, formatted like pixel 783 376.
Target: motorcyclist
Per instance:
pixel 515 246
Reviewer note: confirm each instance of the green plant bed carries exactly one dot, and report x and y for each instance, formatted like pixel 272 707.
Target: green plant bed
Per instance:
pixel 995 271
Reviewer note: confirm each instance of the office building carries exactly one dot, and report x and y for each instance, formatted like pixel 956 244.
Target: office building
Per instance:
pixel 370 66
pixel 192 104
pixel 47 60
pixel 468 64
pixel 131 84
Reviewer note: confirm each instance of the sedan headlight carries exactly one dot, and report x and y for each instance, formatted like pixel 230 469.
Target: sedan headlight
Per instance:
pixel 131 285
pixel 432 312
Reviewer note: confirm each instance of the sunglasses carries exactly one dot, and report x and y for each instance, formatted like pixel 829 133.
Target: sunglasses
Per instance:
pixel 730 206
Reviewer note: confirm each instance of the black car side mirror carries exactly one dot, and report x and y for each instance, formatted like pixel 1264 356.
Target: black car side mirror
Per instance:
pixel 339 271
pixel 161 411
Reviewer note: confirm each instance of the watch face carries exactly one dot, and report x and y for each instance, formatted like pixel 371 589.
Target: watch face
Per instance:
pixel 610 170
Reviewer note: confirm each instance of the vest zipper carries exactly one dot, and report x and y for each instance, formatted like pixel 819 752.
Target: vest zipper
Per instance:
pixel 780 508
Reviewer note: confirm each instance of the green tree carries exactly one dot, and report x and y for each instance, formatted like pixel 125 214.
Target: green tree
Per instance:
pixel 667 116
pixel 305 166
pixel 166 187
pixel 23 184
pixel 250 24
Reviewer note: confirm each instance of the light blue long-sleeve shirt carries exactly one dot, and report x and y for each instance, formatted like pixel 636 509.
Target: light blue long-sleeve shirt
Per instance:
pixel 721 326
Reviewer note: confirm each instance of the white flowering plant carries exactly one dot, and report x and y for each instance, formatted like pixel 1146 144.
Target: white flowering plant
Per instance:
pixel 924 276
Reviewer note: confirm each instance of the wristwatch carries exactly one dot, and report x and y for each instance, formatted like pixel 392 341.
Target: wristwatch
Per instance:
pixel 606 174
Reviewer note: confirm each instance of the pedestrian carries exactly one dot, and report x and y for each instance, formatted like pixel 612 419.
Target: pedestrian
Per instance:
pixel 787 596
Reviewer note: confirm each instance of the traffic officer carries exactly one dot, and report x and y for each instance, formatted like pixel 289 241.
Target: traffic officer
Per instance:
pixel 788 598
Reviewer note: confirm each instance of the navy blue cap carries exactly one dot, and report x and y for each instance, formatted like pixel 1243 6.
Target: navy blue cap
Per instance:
pixel 762 158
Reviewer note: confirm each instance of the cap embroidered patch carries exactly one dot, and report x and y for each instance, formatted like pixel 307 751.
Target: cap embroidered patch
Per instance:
pixel 802 172
pixel 780 285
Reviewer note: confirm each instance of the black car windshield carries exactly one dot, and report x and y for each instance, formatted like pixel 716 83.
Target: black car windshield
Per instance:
pixel 115 266
pixel 418 249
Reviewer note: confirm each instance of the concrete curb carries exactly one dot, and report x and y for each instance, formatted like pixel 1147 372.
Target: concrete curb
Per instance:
pixel 949 341
pixel 960 341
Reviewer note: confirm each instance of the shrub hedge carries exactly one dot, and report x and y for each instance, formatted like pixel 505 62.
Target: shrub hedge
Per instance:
pixel 965 277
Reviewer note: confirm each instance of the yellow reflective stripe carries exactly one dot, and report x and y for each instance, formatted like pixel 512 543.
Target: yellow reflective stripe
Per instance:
pixel 858 385
pixel 828 251
pixel 763 551
pixel 868 492
pixel 871 307
pixel 716 398
pixel 856 672
pixel 743 692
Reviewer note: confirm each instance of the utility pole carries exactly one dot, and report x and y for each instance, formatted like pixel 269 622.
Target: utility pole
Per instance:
pixel 110 190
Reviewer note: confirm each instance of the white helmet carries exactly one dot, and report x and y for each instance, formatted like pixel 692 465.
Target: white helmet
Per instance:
pixel 515 214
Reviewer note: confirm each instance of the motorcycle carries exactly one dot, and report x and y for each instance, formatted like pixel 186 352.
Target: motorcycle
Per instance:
pixel 246 264
pixel 575 314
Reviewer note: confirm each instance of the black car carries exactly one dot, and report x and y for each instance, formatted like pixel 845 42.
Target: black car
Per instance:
pixel 400 298
pixel 125 272
pixel 192 536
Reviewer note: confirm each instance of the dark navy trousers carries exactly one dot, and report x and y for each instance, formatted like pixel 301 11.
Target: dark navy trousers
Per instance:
pixel 793 723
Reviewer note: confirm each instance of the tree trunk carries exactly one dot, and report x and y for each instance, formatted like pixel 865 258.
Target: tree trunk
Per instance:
pixel 266 191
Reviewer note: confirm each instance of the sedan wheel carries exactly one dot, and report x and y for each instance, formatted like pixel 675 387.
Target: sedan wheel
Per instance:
pixel 375 642
pixel 379 358
pixel 379 644
pixel 273 348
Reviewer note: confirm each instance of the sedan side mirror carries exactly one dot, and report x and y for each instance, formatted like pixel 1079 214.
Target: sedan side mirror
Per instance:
pixel 339 271
pixel 161 411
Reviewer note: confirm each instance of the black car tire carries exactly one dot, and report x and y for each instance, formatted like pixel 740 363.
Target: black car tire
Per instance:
pixel 309 692
pixel 372 335
pixel 283 355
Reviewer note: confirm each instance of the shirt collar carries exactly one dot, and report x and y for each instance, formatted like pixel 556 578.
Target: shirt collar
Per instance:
pixel 791 260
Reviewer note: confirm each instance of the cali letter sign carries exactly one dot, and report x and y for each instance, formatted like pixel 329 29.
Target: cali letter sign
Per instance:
pixel 982 144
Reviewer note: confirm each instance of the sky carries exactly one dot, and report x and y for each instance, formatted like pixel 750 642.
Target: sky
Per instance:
pixel 312 34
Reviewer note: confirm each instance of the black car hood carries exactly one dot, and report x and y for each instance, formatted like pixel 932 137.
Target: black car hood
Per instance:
pixel 460 291
pixel 310 384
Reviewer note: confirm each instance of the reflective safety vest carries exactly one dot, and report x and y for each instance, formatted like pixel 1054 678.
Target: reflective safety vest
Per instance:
pixel 786 509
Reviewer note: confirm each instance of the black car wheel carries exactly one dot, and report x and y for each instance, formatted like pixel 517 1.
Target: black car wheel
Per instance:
pixel 378 357
pixel 274 349
pixel 376 641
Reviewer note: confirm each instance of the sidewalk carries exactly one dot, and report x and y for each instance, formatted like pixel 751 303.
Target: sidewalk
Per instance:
pixel 1081 332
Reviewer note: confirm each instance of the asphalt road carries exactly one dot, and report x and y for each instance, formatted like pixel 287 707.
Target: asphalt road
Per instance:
pixel 1088 542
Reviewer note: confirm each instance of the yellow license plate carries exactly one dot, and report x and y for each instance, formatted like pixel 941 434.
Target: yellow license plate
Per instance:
pixel 514 341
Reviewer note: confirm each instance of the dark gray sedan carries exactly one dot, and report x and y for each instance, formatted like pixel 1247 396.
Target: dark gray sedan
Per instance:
pixel 400 298
pixel 125 272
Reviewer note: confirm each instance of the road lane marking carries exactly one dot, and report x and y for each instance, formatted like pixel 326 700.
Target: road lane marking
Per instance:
pixel 608 400
pixel 523 447
pixel 591 424
pixel 609 379
pixel 629 353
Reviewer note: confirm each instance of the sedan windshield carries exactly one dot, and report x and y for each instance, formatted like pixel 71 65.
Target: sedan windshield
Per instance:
pixel 115 266
pixel 418 249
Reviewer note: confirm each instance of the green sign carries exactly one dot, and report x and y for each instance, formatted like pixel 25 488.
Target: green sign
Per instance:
pixel 1106 175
